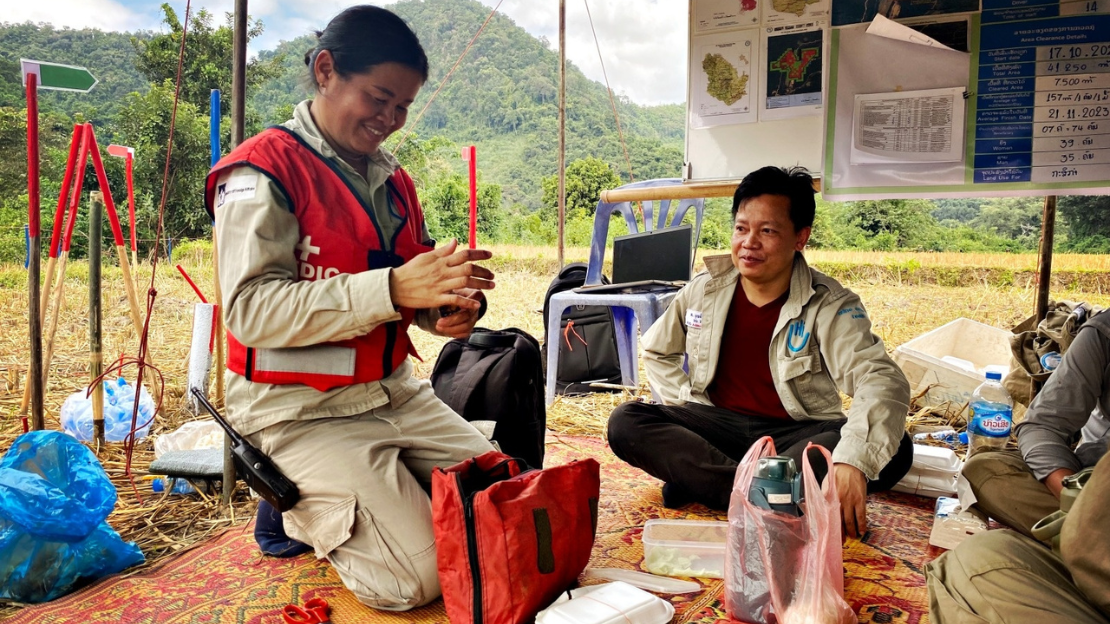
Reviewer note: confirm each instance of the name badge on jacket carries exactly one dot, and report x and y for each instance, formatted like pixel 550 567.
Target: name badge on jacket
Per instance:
pixel 693 319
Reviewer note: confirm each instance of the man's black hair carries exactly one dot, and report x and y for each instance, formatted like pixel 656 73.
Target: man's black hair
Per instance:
pixel 364 36
pixel 795 183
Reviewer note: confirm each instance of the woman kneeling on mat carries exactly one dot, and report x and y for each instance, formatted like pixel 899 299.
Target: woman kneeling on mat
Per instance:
pixel 326 261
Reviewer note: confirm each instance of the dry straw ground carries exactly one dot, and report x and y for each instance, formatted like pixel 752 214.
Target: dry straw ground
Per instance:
pixel 906 294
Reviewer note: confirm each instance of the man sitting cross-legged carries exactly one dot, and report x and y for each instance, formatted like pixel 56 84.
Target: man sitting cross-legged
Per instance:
pixel 1018 489
pixel 767 341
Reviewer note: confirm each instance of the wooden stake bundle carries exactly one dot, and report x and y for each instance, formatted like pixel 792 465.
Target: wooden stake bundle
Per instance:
pixel 61 237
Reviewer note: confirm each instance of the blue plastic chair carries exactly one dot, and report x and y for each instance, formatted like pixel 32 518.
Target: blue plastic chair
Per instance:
pixel 633 313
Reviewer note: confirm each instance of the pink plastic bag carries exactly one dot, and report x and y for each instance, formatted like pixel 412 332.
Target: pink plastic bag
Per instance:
pixel 781 569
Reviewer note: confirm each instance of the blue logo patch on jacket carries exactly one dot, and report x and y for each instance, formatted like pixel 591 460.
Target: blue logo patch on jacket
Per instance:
pixel 796 336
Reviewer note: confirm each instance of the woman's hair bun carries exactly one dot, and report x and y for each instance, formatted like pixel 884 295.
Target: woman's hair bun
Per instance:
pixel 308 55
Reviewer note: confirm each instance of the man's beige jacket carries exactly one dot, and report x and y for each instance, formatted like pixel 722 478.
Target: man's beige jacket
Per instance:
pixel 822 342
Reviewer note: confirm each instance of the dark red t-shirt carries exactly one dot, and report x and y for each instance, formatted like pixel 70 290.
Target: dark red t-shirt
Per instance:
pixel 743 381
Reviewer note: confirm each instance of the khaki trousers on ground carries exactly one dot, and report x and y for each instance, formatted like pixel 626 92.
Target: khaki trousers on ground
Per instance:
pixel 362 505
pixel 1007 490
pixel 1001 577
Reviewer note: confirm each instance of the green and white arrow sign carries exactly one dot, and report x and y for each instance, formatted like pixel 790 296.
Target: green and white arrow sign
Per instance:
pixel 58 77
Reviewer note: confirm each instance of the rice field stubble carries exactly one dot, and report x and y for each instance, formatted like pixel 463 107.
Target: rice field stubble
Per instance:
pixel 900 309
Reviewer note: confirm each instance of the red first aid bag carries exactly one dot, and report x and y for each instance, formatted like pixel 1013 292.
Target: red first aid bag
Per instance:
pixel 782 569
pixel 509 540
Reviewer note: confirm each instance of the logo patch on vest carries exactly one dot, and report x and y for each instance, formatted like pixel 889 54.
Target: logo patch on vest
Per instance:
pixel 240 185
pixel 305 269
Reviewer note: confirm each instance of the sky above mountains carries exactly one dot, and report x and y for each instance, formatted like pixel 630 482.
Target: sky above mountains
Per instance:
pixel 643 41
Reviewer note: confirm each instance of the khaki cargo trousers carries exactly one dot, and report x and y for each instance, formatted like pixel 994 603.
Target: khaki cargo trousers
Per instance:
pixel 1001 577
pixel 362 503
pixel 1007 491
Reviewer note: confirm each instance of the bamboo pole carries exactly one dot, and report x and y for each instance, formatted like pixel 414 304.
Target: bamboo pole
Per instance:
pixel 129 286
pixel 136 314
pixel 692 190
pixel 96 352
pixel 58 297
pixel 219 326
pixel 676 191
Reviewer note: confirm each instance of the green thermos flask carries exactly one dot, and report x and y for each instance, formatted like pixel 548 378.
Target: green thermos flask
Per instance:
pixel 777 485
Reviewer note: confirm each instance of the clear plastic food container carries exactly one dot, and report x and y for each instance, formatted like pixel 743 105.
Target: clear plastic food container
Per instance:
pixel 690 548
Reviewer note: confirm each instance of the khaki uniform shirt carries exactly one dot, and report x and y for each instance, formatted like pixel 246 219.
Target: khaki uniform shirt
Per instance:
pixel 822 341
pixel 261 254
pixel 1083 544
pixel 1075 399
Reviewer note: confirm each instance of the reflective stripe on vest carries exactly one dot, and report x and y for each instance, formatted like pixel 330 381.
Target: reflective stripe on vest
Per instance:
pixel 338 234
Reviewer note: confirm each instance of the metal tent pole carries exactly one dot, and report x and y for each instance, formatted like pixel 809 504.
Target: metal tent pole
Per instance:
pixel 238 110
pixel 1044 266
pixel 562 126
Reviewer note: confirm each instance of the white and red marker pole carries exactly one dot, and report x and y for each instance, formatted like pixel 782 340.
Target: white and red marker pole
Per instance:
pixel 128 154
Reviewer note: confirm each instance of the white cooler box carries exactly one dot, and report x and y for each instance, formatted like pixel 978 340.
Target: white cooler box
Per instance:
pixel 953 359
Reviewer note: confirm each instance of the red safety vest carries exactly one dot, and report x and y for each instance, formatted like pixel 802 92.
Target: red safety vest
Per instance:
pixel 338 234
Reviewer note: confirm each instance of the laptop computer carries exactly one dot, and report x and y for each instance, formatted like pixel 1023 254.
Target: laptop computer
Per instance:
pixel 650 261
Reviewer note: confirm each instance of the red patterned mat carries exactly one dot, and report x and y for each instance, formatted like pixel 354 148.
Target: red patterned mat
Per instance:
pixel 226 580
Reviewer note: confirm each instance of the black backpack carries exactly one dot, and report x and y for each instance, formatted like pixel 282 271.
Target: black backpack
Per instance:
pixel 591 355
pixel 497 375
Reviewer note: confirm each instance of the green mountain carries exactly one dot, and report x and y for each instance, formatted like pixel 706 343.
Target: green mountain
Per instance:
pixel 503 98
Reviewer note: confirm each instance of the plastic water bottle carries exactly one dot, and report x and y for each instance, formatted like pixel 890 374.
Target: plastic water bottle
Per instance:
pixel 180 486
pixel 948 436
pixel 992 415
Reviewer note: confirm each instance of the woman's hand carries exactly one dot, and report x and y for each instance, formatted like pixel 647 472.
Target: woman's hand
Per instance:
pixel 437 278
pixel 460 322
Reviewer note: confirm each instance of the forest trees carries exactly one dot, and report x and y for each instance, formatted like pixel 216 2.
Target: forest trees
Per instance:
pixel 207 61
pixel 503 98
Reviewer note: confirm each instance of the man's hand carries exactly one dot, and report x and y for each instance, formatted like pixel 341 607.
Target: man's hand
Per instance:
pixel 1054 480
pixel 460 322
pixel 851 487
pixel 437 278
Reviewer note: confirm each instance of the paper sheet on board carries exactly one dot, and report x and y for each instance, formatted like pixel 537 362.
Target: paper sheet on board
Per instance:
pixel 891 29
pixel 792 71
pixel 710 15
pixel 924 126
pixel 868 64
pixel 722 78
pixel 792 11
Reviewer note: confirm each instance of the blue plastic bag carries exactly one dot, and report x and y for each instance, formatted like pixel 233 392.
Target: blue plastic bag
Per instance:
pixel 54 499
